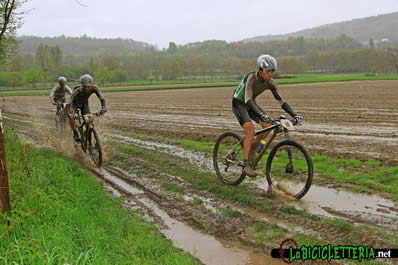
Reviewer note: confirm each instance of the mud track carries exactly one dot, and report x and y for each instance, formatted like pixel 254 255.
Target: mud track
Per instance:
pixel 357 119
pixel 177 190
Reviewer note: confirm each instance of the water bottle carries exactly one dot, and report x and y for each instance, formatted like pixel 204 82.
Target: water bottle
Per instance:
pixel 260 146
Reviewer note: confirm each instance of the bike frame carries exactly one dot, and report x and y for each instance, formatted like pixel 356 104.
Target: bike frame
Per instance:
pixel 275 129
pixel 84 124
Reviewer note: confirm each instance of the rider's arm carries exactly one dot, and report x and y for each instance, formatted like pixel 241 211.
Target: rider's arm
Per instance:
pixel 285 106
pixel 52 92
pixel 68 90
pixel 250 101
pixel 75 92
pixel 103 103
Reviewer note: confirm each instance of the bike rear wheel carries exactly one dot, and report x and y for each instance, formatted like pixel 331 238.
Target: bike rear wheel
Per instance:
pixel 289 167
pixel 94 148
pixel 60 121
pixel 228 158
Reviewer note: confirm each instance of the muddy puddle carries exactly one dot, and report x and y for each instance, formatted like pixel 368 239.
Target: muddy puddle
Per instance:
pixel 201 160
pixel 332 203
pixel 188 121
pixel 206 248
pixel 28 121
pixel 321 201
pixel 206 202
pixel 362 138
pixel 18 120
pixel 385 130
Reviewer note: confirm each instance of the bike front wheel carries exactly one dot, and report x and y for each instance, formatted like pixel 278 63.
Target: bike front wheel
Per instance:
pixel 228 158
pixel 290 168
pixel 94 148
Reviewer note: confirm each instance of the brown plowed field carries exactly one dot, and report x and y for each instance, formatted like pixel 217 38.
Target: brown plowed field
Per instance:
pixel 356 119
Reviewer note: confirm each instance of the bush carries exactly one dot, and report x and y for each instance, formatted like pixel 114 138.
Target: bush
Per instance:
pixel 11 79
pixel 34 75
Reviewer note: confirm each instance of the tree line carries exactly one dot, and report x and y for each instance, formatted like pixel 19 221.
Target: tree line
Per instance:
pixel 208 59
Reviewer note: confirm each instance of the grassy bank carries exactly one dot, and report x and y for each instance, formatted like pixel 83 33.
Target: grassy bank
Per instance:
pixel 69 219
pixel 298 79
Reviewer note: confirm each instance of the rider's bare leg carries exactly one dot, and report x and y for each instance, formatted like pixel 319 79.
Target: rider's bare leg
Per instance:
pixel 73 124
pixel 71 121
pixel 247 143
pixel 263 135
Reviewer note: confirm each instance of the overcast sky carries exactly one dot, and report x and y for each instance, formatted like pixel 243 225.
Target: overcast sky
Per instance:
pixel 182 21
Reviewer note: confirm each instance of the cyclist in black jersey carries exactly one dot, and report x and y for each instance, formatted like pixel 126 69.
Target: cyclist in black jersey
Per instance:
pixel 245 108
pixel 79 99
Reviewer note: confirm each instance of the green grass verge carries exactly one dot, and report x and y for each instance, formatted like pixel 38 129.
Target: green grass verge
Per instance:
pixel 292 210
pixel 168 82
pixel 228 212
pixel 341 225
pixel 69 219
pixel 126 89
pixel 269 233
pixel 172 188
pixel 127 83
pixel 302 78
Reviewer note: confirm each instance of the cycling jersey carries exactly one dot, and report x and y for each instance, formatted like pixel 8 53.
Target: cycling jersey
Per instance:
pixel 58 93
pixel 253 85
pixel 244 105
pixel 80 95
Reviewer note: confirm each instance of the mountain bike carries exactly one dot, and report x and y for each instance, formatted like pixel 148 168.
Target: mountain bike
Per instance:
pixel 89 139
pixel 60 119
pixel 288 164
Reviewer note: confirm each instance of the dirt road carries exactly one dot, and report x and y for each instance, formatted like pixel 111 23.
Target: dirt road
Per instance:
pixel 356 119
pixel 177 189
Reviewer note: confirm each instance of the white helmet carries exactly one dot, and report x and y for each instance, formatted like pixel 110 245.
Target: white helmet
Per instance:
pixel 62 80
pixel 267 63
pixel 86 80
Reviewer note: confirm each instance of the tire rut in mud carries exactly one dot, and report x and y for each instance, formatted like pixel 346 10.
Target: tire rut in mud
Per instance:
pixel 237 229
pixel 249 217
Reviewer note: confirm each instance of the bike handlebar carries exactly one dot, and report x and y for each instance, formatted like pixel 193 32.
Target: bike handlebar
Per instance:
pixel 277 121
pixel 73 117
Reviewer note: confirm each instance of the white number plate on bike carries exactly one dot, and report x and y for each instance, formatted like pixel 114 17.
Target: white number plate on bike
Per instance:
pixel 287 124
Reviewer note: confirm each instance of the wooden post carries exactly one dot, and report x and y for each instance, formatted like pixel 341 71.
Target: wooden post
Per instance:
pixel 4 190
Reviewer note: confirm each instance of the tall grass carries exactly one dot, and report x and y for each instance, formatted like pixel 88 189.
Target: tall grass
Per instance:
pixel 69 219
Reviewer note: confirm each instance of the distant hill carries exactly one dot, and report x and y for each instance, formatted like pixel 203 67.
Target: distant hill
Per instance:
pixel 363 29
pixel 82 45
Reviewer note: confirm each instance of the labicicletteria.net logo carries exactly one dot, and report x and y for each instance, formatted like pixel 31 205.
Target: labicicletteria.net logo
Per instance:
pixel 290 252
